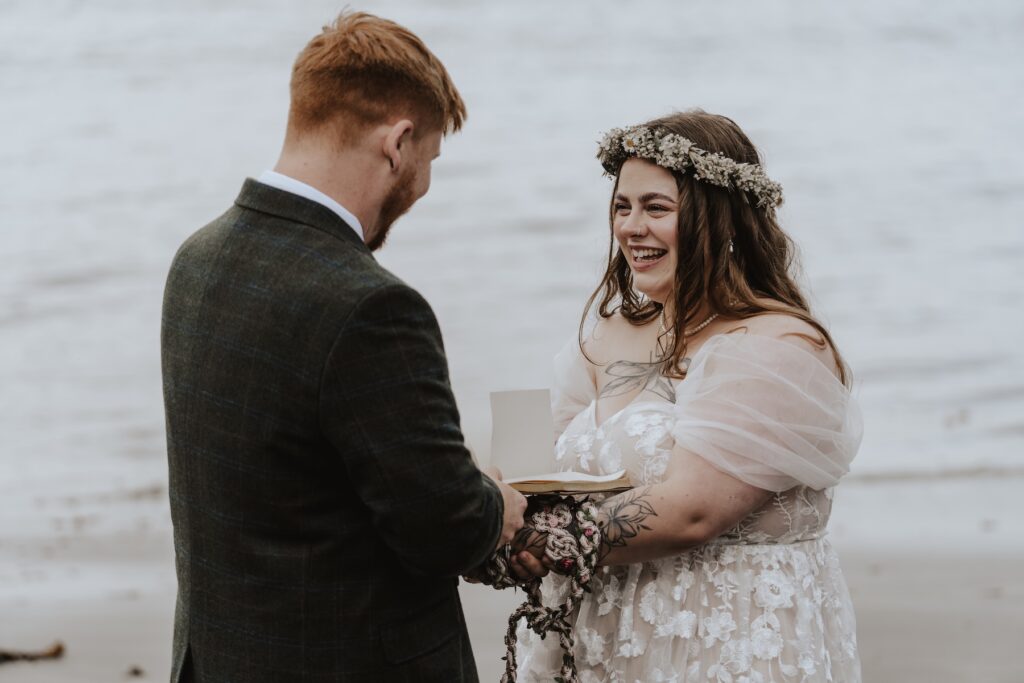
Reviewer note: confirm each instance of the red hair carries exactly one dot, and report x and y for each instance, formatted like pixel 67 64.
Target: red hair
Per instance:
pixel 362 71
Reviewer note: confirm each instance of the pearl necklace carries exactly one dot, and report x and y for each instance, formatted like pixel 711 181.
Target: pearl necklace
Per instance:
pixel 693 330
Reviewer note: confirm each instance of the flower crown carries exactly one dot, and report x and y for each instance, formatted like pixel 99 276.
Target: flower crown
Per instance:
pixel 677 153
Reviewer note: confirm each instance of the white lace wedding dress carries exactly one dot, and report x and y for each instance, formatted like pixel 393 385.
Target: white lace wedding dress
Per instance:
pixel 765 601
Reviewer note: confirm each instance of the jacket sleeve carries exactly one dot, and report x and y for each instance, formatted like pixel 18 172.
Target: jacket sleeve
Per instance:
pixel 387 407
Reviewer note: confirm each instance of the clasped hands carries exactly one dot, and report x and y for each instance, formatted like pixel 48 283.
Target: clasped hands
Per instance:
pixel 521 544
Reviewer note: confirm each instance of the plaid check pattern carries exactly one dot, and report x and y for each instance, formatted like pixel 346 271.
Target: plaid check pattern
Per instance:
pixel 322 497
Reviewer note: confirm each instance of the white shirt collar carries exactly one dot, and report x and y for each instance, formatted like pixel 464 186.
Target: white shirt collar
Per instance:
pixel 289 184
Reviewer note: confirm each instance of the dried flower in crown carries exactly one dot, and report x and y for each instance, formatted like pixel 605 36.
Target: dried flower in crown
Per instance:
pixel 676 153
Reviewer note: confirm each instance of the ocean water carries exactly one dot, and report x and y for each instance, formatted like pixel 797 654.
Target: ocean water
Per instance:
pixel 894 128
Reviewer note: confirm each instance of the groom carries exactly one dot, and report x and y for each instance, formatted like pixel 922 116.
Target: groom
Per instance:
pixel 322 498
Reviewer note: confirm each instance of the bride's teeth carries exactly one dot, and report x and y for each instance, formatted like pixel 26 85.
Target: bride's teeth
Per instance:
pixel 648 254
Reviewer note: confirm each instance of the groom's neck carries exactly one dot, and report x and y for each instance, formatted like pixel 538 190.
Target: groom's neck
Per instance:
pixel 349 177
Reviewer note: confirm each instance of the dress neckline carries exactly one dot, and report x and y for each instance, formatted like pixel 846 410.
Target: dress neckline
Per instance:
pixel 708 344
pixel 631 404
pixel 675 385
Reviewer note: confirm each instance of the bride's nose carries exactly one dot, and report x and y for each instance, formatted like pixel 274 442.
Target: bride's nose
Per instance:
pixel 634 226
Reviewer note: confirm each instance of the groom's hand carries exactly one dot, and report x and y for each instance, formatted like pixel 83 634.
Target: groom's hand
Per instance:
pixel 515 506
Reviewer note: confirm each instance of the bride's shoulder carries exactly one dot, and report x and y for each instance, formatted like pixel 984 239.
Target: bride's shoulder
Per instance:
pixel 772 324
pixel 789 329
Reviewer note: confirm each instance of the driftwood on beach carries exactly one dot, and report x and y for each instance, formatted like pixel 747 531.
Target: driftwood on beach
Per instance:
pixel 55 651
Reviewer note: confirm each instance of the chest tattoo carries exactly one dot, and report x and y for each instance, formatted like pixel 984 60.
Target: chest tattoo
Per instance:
pixel 626 376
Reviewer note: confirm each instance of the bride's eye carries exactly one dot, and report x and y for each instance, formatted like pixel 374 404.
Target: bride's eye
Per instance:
pixel 620 207
pixel 656 208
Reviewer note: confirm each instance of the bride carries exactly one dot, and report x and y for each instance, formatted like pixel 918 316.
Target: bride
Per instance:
pixel 707 378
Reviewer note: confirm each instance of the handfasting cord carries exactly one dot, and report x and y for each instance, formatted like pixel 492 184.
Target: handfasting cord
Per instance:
pixel 572 543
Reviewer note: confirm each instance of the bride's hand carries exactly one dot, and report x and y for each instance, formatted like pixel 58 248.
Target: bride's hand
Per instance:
pixel 527 559
pixel 525 553
pixel 526 566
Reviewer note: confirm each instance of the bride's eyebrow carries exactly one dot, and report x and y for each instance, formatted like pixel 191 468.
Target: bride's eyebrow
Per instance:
pixel 648 197
pixel 651 196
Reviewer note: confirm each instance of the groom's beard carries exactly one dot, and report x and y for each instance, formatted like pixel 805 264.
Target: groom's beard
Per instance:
pixel 399 200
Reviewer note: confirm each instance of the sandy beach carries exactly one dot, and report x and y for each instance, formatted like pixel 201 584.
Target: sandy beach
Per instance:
pixel 912 629
pixel 925 614
pixel 943 630
pixel 894 128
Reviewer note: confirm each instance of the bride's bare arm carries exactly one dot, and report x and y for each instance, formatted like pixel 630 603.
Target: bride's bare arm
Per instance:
pixel 692 505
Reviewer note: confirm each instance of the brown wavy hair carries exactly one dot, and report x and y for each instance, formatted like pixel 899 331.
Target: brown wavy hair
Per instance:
pixel 754 279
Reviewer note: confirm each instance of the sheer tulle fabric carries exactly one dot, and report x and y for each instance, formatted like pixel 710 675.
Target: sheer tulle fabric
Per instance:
pixel 573 389
pixel 765 601
pixel 768 412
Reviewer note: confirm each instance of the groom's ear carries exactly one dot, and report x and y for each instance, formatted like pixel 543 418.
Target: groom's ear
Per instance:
pixel 396 142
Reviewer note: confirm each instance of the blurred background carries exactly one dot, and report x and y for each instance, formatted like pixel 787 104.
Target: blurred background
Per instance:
pixel 894 127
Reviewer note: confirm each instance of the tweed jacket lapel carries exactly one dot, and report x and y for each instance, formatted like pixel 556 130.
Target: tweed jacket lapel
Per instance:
pixel 271 200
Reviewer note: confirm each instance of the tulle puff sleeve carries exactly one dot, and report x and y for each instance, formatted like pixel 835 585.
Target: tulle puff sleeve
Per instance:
pixel 573 389
pixel 767 411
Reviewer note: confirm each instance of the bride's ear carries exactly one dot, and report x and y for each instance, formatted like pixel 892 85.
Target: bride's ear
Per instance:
pixel 396 138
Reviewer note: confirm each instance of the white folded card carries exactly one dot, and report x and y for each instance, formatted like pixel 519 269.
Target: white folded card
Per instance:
pixel 522 432
pixel 522 444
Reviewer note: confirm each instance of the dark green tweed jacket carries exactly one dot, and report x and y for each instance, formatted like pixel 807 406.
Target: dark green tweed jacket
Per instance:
pixel 322 497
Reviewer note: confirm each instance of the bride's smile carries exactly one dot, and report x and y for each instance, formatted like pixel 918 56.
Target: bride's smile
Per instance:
pixel 645 218
pixel 646 257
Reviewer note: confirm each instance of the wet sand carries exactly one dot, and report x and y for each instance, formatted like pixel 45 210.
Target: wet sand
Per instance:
pixel 962 623
pixel 925 614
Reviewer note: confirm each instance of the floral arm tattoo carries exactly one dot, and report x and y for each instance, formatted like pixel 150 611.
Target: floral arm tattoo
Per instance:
pixel 622 518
